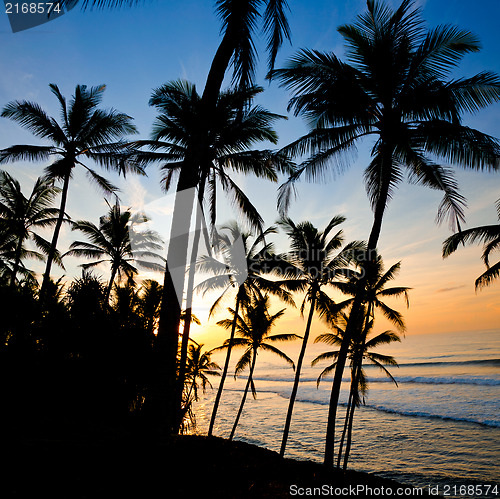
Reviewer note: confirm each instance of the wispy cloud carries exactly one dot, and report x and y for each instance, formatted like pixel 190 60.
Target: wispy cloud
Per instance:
pixel 452 288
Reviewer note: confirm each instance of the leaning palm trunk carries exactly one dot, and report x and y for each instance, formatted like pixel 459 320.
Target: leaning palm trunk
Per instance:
pixel 170 313
pixel 356 318
pixel 249 381
pixel 226 366
pixel 354 389
pixel 110 284
pixel 188 315
pixel 163 400
pixel 296 382
pixel 55 237
pixel 344 431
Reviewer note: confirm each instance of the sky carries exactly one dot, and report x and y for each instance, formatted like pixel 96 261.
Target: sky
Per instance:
pixel 134 50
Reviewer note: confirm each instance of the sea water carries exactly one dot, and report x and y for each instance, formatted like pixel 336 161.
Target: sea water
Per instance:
pixel 439 427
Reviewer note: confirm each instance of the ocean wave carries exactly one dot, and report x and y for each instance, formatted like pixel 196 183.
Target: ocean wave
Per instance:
pixel 490 362
pixel 422 414
pixel 443 380
pixel 427 380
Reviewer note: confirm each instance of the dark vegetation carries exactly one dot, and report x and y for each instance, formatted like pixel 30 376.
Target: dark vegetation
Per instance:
pixel 96 382
pixel 187 466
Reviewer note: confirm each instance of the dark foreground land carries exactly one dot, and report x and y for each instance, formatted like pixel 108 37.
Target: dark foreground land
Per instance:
pixel 182 467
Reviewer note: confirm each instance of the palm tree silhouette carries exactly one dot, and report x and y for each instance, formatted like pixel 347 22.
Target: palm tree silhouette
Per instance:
pixel 198 367
pixel 489 235
pixel 21 216
pixel 245 261
pixel 253 328
pixel 86 132
pixel 369 285
pixel 394 87
pixel 149 305
pixel 233 130
pixel 7 255
pixel 240 19
pixel 315 260
pixel 117 241
pixel 360 349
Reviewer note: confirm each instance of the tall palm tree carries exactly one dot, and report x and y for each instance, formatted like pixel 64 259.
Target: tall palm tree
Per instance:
pixel 85 132
pixel 360 349
pixel 199 367
pixel 21 216
pixel 245 262
pixel 369 285
pixel 253 328
pixel 489 235
pixel 240 19
pixel 394 87
pixel 233 131
pixel 315 260
pixel 116 240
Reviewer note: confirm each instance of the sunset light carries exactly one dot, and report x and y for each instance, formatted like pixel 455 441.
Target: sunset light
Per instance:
pixel 259 234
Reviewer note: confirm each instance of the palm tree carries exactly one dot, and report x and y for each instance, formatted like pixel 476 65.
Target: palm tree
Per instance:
pixel 7 252
pixel 253 329
pixel 394 87
pixel 245 261
pixel 86 132
pixel 233 131
pixel 240 19
pixel 198 367
pixel 314 262
pixel 21 216
pixel 117 241
pixel 374 278
pixel 489 235
pixel 149 305
pixel 360 349
pixel 369 285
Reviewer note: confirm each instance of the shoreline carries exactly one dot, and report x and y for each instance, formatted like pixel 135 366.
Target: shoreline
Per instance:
pixel 190 466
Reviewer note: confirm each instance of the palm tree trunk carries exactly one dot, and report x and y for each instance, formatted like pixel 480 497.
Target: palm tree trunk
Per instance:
pixel 226 366
pixel 355 378
pixel 355 322
pixel 17 262
pixel 218 69
pixel 55 236
pixel 350 331
pixel 163 397
pixel 188 315
pixel 354 388
pixel 110 284
pixel 240 410
pixel 344 431
pixel 170 312
pixel 296 382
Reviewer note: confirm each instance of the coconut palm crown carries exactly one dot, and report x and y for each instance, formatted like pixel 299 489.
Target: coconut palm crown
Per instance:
pixel 84 133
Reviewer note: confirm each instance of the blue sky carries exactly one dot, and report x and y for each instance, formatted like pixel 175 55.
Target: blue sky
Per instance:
pixel 135 50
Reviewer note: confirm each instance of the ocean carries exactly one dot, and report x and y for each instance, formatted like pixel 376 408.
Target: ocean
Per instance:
pixel 440 427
